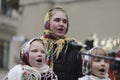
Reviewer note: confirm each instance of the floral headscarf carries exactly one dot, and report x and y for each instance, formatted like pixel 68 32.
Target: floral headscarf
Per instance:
pixel 50 13
pixel 54 43
pixel 24 54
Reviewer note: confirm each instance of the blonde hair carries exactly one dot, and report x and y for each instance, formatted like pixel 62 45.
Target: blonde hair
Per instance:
pixel 97 51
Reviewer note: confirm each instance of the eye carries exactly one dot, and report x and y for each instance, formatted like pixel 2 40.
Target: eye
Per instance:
pixel 97 60
pixel 57 19
pixel 34 50
pixel 42 51
pixel 64 21
pixel 107 61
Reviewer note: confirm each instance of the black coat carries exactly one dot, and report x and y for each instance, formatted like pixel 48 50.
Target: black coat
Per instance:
pixel 68 66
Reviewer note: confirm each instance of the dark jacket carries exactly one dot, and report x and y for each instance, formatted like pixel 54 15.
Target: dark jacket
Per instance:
pixel 68 66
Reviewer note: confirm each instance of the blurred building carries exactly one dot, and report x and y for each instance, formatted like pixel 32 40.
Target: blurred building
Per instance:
pixel 23 19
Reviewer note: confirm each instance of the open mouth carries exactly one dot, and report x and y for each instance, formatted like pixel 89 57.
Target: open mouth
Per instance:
pixel 102 70
pixel 39 60
pixel 60 29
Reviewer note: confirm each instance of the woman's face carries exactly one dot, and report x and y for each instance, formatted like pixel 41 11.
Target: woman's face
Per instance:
pixel 100 67
pixel 37 54
pixel 58 23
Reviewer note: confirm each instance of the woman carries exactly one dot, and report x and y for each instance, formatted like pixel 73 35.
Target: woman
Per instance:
pixel 63 52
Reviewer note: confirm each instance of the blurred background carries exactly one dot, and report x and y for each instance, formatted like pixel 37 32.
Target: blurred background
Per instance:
pixel 91 21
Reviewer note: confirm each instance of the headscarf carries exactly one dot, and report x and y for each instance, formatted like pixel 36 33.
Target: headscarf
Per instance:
pixel 50 13
pixel 54 43
pixel 33 73
pixel 24 53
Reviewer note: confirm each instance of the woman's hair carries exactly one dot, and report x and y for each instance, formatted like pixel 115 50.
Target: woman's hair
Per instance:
pixel 50 13
pixel 24 53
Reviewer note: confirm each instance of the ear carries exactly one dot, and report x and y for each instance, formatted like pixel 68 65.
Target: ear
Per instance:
pixel 47 25
pixel 26 58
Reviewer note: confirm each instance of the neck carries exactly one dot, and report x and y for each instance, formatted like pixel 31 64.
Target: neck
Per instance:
pixel 49 35
pixel 98 77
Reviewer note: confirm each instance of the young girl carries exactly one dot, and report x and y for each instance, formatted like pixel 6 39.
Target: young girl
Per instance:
pixel 33 66
pixel 63 52
pixel 98 67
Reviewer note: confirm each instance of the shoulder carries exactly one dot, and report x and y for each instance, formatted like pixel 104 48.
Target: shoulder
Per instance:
pixel 76 43
pixel 14 72
pixel 16 68
pixel 84 78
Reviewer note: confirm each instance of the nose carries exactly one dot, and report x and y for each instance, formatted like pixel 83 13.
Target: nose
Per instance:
pixel 61 23
pixel 39 54
pixel 103 63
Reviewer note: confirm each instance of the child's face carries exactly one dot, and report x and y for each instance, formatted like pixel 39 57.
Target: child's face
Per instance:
pixel 58 23
pixel 100 67
pixel 37 54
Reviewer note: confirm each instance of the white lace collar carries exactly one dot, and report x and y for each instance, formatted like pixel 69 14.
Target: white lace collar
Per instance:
pixel 43 69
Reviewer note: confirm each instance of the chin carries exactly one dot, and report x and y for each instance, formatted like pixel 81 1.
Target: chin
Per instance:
pixel 102 77
pixel 60 35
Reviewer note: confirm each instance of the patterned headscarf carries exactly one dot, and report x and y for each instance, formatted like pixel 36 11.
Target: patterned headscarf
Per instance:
pixel 24 53
pixel 54 43
pixel 50 13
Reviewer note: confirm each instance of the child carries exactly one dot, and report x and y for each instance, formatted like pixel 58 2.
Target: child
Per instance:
pixel 98 67
pixel 33 67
